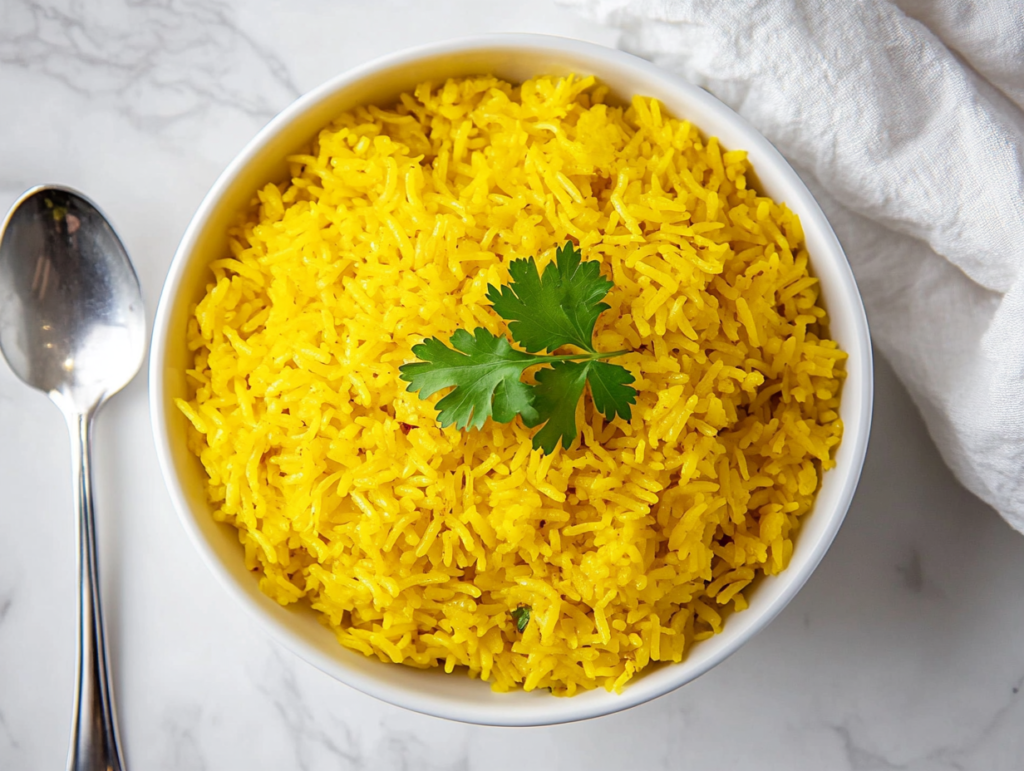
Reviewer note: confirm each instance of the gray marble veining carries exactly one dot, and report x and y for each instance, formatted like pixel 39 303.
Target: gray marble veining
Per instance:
pixel 154 63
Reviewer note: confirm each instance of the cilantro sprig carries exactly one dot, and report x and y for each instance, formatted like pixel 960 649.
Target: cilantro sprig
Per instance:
pixel 545 312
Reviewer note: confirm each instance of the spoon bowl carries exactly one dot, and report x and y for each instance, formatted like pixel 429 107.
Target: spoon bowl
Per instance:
pixel 72 320
pixel 72 324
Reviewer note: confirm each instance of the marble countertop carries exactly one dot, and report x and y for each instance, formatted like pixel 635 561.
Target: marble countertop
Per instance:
pixel 904 651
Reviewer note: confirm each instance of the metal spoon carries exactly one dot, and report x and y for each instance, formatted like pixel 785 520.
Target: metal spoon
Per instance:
pixel 72 324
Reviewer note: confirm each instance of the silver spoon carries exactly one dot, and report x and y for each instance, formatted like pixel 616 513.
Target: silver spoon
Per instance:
pixel 72 324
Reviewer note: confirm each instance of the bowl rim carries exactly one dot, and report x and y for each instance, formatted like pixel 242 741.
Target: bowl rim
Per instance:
pixel 558 711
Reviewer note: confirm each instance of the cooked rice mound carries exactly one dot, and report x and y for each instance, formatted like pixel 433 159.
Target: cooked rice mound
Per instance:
pixel 415 543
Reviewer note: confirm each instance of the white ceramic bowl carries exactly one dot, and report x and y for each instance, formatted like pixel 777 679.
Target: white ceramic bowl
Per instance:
pixel 514 58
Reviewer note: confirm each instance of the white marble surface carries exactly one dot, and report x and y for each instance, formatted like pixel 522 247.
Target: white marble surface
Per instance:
pixel 905 650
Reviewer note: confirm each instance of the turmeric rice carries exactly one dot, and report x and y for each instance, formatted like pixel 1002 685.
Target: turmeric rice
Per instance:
pixel 422 546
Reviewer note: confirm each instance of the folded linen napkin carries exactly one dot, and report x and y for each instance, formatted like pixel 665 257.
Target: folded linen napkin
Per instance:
pixel 905 120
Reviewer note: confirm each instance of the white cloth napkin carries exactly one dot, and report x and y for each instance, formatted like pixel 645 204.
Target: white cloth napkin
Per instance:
pixel 905 119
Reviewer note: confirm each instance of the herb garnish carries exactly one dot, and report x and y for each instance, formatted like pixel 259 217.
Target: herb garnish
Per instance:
pixel 545 312
pixel 521 617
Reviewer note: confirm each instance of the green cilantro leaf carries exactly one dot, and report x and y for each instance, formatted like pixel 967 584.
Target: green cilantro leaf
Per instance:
pixel 511 398
pixel 558 392
pixel 544 312
pixel 609 386
pixel 556 309
pixel 485 371
pixel 521 617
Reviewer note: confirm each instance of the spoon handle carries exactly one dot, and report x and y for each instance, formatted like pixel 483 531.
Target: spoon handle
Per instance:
pixel 94 742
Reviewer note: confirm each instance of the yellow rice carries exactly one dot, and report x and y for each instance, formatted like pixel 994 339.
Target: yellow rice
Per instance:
pixel 415 543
